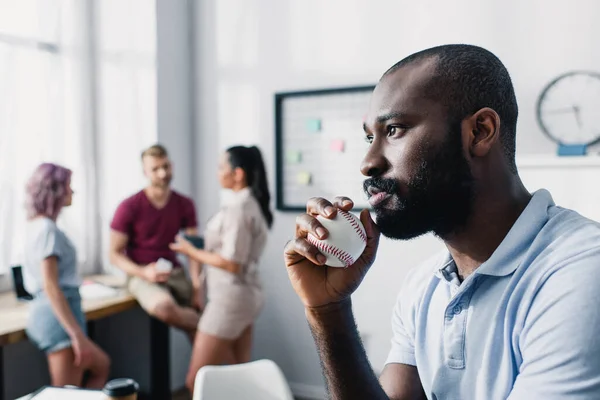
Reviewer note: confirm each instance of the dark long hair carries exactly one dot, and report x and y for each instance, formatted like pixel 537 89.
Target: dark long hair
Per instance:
pixel 250 160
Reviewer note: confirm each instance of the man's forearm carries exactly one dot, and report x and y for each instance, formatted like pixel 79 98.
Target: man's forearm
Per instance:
pixel 125 264
pixel 347 371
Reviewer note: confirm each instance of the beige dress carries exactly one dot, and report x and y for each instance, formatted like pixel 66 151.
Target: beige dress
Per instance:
pixel 238 232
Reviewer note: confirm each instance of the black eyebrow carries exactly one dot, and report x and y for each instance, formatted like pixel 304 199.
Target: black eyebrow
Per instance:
pixel 386 117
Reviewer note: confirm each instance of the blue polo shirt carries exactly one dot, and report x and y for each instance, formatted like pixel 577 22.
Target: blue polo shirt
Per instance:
pixel 524 326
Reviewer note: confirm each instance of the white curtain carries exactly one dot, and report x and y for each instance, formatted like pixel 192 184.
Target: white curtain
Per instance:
pixel 67 96
pixel 44 115
pixel 127 107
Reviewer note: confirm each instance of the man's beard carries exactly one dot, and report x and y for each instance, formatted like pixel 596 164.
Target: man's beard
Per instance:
pixel 162 183
pixel 439 198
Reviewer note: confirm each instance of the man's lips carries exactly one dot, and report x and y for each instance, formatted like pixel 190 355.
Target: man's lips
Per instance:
pixel 377 196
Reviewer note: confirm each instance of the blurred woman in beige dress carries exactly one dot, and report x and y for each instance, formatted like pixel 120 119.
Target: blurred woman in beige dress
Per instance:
pixel 234 242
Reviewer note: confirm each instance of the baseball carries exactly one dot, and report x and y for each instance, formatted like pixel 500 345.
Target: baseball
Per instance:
pixel 346 240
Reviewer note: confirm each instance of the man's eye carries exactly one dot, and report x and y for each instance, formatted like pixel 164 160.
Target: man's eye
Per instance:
pixel 394 130
pixel 369 139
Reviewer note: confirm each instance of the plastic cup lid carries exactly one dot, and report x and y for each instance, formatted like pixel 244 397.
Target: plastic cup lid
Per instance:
pixel 121 387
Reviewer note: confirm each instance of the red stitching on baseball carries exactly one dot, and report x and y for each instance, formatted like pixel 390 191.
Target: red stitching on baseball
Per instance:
pixel 354 224
pixel 324 247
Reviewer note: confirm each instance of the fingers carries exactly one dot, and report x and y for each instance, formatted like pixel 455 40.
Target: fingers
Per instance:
pixel 181 240
pixel 306 224
pixel 77 357
pixel 343 203
pixel 371 228
pixel 373 235
pixel 299 249
pixel 320 206
pixel 179 247
pixel 161 277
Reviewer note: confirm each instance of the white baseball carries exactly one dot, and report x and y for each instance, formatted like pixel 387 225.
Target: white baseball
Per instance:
pixel 346 240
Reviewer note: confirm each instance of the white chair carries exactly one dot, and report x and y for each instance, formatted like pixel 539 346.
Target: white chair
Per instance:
pixel 256 380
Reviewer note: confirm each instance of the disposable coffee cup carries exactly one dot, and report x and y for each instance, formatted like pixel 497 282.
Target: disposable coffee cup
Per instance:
pixel 163 265
pixel 121 389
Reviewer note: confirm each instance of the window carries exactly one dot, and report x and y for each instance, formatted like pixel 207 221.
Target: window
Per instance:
pixel 77 79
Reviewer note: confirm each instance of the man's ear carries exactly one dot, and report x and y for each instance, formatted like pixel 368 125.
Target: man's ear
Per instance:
pixel 484 131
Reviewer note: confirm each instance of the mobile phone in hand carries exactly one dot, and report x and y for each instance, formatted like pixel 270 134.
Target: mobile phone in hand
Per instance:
pixel 196 241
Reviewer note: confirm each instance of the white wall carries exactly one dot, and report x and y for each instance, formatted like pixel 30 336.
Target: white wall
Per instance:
pixel 249 49
pixel 175 126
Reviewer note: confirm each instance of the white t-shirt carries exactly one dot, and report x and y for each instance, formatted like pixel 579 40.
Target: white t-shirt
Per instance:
pixel 43 240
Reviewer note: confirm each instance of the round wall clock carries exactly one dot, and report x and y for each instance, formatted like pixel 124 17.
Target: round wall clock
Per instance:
pixel 568 111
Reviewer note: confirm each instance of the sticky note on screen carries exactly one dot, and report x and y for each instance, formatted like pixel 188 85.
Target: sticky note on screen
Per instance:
pixel 303 178
pixel 337 145
pixel 293 157
pixel 313 125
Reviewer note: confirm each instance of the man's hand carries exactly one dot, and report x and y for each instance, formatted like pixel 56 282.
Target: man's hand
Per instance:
pixel 316 284
pixel 182 245
pixel 150 274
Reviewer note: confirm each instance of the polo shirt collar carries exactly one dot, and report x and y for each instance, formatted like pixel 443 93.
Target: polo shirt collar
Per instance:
pixel 507 257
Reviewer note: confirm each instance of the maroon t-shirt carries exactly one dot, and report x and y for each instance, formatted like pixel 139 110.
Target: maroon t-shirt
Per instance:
pixel 151 230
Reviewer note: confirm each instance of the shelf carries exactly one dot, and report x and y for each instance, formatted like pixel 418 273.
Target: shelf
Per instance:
pixel 547 161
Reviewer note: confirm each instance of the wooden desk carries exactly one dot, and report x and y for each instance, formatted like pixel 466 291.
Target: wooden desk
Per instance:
pixel 14 314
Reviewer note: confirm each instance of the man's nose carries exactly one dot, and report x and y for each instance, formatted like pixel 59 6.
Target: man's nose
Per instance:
pixel 374 163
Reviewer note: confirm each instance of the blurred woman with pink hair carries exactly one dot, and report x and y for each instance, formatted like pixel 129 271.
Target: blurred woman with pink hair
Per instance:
pixel 56 322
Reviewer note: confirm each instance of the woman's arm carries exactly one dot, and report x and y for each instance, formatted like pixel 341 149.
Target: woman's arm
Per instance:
pixel 57 298
pixel 195 265
pixel 81 345
pixel 205 257
pixel 215 260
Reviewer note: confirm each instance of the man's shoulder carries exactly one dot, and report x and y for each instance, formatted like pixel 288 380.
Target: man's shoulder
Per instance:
pixel 569 235
pixel 182 199
pixel 563 219
pixel 567 247
pixel 562 276
pixel 132 200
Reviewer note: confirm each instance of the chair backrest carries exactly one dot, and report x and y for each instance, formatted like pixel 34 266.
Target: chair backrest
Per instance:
pixel 256 380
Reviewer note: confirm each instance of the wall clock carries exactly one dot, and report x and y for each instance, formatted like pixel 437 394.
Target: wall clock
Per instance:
pixel 568 111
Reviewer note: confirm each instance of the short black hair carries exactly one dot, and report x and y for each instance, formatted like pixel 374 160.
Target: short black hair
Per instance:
pixel 468 78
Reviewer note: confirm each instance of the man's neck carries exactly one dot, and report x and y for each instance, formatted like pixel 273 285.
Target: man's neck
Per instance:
pixel 495 212
pixel 157 195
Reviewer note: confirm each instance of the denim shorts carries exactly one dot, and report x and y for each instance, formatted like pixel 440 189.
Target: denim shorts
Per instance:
pixel 44 329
